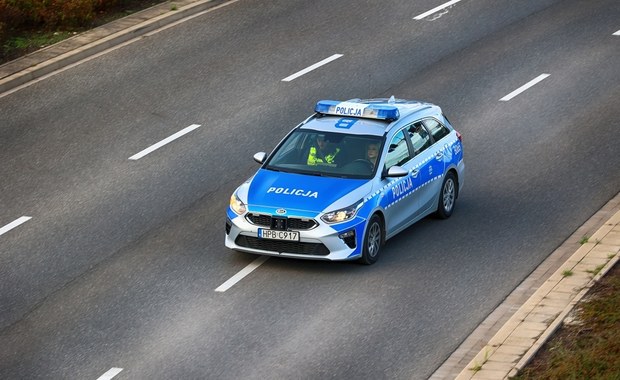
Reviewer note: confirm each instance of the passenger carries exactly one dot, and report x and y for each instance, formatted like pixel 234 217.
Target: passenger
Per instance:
pixel 322 152
pixel 372 152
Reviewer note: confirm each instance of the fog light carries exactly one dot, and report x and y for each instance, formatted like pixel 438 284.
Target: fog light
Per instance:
pixel 348 238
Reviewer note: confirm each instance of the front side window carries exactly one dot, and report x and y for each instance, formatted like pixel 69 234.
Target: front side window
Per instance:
pixel 398 151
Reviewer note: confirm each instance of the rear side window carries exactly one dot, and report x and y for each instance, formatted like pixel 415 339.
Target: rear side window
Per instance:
pixel 437 130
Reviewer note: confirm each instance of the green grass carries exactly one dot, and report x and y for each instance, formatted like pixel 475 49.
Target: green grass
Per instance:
pixel 567 273
pixel 596 270
pixel 589 349
pixel 478 366
pixel 31 41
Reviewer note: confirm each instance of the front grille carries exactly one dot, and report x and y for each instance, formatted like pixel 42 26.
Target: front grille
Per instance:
pixel 259 219
pixel 293 223
pixel 301 224
pixel 280 246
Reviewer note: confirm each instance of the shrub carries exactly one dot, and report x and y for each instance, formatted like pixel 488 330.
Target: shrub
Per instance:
pixel 22 21
pixel 51 14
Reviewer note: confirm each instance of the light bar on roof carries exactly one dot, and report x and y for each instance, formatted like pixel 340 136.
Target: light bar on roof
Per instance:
pixel 352 109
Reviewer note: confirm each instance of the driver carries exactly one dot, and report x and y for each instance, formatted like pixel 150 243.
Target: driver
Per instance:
pixel 322 152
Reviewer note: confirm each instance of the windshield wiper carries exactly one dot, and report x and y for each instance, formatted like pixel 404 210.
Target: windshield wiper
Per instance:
pixel 272 168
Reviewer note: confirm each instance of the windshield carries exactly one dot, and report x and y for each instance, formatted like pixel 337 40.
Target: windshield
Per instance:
pixel 327 154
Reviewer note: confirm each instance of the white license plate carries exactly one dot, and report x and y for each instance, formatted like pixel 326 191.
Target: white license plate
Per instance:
pixel 278 235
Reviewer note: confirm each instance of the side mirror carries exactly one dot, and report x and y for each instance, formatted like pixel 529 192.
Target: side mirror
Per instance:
pixel 396 171
pixel 260 157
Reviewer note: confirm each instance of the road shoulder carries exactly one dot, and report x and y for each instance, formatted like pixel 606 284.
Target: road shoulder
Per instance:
pixel 512 334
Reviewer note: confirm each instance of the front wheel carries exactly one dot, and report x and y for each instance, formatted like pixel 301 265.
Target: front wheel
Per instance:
pixel 447 197
pixel 373 240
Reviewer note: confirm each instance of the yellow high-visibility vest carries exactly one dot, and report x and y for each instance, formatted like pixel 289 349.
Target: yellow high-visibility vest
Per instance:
pixel 314 160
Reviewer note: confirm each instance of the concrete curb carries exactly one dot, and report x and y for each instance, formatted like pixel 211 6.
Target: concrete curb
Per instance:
pixel 87 44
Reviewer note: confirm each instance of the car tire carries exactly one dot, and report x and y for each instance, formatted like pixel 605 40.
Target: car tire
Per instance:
pixel 373 241
pixel 447 196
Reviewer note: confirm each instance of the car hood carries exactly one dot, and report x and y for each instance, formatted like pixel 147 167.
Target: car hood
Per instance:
pixel 290 191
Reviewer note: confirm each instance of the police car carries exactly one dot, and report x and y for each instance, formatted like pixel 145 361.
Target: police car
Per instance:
pixel 349 177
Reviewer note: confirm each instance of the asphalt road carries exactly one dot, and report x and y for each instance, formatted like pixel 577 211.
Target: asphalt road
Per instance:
pixel 119 263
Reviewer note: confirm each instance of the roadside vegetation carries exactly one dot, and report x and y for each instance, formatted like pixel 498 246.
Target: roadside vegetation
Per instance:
pixel 589 346
pixel 29 25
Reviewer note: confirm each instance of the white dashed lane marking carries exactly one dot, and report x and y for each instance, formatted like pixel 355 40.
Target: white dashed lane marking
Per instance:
pixel 313 67
pixel 14 224
pixel 110 374
pixel 163 142
pixel 524 87
pixel 244 272
pixel 435 10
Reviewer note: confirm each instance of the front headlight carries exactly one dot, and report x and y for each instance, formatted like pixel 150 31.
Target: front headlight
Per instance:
pixel 342 214
pixel 237 205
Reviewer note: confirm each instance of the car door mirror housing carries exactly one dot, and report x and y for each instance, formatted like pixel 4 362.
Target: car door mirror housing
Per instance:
pixel 260 157
pixel 396 171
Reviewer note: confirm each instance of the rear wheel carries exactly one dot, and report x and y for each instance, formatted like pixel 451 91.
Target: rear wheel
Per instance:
pixel 447 197
pixel 373 240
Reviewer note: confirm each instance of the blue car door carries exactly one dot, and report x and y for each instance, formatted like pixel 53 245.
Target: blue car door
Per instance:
pixel 428 167
pixel 399 202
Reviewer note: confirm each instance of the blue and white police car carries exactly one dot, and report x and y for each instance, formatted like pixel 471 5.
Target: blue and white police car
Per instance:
pixel 349 177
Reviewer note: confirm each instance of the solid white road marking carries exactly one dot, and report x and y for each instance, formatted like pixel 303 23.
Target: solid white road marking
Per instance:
pixel 14 224
pixel 163 142
pixel 524 87
pixel 437 9
pixel 244 272
pixel 110 374
pixel 616 34
pixel 168 26
pixel 310 68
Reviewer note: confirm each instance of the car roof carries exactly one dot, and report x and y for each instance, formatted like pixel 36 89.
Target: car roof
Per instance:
pixel 330 122
pixel 405 107
pixel 361 126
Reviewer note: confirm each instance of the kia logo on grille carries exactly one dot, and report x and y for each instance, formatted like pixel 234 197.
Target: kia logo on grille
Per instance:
pixel 280 211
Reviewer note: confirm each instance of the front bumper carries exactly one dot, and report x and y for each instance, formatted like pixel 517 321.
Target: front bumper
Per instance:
pixel 342 241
